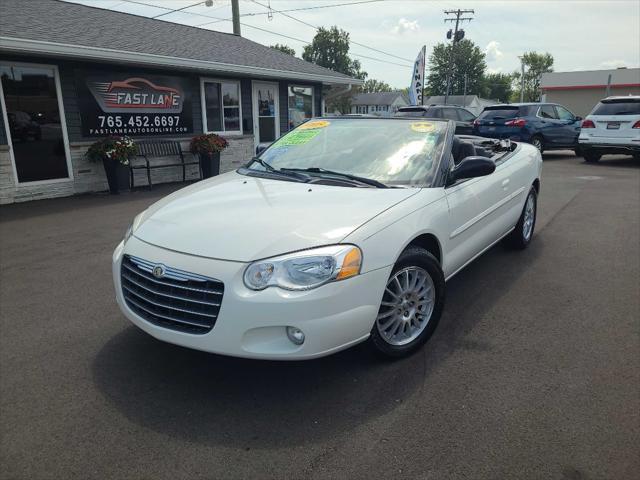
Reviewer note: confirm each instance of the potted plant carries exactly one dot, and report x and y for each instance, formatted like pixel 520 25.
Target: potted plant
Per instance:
pixel 115 153
pixel 208 147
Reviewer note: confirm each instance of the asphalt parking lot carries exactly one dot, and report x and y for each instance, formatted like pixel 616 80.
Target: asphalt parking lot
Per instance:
pixel 533 373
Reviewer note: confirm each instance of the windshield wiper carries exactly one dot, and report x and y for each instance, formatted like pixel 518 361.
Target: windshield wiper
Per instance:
pixel 355 178
pixel 276 171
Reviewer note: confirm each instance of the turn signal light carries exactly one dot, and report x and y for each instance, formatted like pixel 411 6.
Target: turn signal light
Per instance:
pixel 351 264
pixel 517 122
pixel 588 124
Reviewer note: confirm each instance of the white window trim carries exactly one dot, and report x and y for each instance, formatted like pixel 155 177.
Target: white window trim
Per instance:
pixel 203 105
pixel 313 98
pixel 254 109
pixel 63 125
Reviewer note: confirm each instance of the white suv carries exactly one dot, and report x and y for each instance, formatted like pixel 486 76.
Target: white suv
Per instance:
pixel 613 126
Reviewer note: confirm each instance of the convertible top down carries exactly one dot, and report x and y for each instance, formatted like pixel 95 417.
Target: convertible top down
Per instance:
pixel 343 230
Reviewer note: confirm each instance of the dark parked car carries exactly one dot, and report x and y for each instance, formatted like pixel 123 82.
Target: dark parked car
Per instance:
pixel 463 117
pixel 547 126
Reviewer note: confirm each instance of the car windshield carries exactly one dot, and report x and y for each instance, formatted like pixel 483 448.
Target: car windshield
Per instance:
pixel 618 107
pixel 493 113
pixel 411 112
pixel 389 151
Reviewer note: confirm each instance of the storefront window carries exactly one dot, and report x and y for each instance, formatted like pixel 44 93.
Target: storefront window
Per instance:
pixel 221 106
pixel 31 101
pixel 300 105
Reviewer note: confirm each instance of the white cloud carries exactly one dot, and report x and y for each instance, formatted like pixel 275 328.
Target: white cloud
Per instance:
pixel 492 51
pixel 405 26
pixel 608 64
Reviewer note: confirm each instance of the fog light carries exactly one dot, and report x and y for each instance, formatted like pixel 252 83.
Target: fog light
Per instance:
pixel 295 335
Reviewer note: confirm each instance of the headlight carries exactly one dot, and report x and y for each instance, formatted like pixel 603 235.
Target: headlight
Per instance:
pixel 128 233
pixel 134 225
pixel 306 269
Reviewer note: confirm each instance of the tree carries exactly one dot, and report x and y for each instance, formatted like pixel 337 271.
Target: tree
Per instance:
pixel 284 49
pixel 497 86
pixel 330 49
pixel 535 64
pixel 372 86
pixel 468 60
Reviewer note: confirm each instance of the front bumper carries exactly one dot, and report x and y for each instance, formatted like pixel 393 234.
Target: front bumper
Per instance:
pixel 253 324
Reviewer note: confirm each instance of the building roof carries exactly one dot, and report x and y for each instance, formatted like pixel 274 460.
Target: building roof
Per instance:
pixel 620 77
pixel 376 98
pixel 461 100
pixel 58 28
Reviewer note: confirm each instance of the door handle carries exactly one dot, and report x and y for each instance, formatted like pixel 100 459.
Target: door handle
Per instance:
pixel 505 183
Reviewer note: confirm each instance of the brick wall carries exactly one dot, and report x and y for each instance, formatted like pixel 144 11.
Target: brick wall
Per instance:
pixel 90 177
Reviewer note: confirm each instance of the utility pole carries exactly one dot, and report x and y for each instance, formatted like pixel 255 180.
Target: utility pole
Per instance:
pixel 456 36
pixel 464 95
pixel 522 79
pixel 235 14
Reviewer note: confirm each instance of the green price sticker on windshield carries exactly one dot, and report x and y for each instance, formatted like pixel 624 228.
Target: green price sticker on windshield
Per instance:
pixel 297 137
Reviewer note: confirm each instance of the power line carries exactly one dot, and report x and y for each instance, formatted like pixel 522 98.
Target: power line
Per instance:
pixel 178 9
pixel 219 19
pixel 316 28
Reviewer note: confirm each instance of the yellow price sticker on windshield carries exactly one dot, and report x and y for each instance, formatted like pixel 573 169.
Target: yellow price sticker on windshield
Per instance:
pixel 423 127
pixel 314 124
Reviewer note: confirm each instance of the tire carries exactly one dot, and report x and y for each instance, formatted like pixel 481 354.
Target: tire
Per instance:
pixel 538 142
pixel 591 157
pixel 400 327
pixel 578 151
pixel 521 236
pixel 636 156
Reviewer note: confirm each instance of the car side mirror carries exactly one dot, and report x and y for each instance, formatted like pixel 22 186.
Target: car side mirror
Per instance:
pixel 261 148
pixel 472 167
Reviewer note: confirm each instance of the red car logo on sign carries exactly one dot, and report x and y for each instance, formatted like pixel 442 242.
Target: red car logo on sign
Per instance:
pixel 136 94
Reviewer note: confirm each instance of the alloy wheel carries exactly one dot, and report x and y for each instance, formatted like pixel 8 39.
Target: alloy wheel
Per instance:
pixel 407 306
pixel 529 217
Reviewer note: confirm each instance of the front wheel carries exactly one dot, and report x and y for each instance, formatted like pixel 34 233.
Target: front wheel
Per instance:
pixel 536 141
pixel 411 305
pixel 521 236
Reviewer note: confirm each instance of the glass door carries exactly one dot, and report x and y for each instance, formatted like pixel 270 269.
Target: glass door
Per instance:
pixel 30 98
pixel 266 112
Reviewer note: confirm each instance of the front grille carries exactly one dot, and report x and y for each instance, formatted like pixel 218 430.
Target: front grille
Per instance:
pixel 177 300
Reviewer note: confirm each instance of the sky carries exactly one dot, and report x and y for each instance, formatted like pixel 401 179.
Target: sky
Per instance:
pixel 580 34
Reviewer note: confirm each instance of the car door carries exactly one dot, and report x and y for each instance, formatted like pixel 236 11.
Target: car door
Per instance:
pixel 570 126
pixel 465 124
pixel 549 126
pixel 478 217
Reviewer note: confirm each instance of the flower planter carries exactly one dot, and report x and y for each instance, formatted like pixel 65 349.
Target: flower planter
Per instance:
pixel 210 164
pixel 117 176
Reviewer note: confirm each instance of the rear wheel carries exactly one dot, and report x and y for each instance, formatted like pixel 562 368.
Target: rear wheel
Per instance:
pixel 537 142
pixel 411 305
pixel 591 157
pixel 521 236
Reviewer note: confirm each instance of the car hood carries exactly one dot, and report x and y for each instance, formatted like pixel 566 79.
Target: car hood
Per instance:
pixel 242 218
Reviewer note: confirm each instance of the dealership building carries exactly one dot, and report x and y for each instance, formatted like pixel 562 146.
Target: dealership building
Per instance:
pixel 580 91
pixel 71 74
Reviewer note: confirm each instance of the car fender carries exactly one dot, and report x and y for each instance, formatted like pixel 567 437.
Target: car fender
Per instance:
pixel 385 237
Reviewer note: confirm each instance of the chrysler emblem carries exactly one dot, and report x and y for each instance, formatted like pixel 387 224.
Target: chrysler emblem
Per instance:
pixel 158 271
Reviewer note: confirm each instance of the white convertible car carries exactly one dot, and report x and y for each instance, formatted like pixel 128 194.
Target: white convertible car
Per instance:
pixel 344 230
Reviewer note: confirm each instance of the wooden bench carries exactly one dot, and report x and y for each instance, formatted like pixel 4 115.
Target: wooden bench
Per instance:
pixel 150 149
